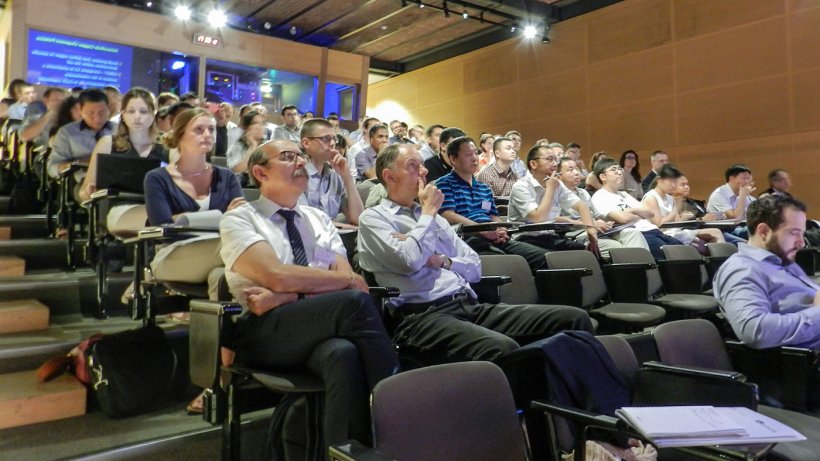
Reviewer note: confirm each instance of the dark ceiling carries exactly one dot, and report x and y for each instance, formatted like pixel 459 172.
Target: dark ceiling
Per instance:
pixel 398 35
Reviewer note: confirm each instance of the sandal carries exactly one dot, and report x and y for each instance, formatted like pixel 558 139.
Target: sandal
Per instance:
pixel 197 405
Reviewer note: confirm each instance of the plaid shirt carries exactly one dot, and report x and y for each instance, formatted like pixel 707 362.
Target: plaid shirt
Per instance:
pixel 500 183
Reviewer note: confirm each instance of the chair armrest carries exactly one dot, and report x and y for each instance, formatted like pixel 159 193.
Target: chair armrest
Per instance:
pixel 784 374
pixel 547 226
pixel 486 226
pixel 681 276
pixel 172 232
pixel 696 371
pixel 488 288
pixel 210 329
pixel 72 168
pixel 581 416
pixel 355 451
pixel 666 385
pixel 561 286
pixel 627 282
pixel 384 292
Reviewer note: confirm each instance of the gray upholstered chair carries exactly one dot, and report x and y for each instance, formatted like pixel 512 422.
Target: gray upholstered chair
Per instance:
pixel 575 278
pixel 678 305
pixel 458 411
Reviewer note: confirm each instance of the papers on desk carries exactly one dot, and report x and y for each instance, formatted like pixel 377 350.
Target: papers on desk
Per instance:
pixel 688 426
pixel 200 219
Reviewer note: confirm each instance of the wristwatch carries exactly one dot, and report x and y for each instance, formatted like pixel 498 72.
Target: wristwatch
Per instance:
pixel 447 262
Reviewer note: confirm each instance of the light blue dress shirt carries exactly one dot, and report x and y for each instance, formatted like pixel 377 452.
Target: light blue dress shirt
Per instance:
pixel 768 304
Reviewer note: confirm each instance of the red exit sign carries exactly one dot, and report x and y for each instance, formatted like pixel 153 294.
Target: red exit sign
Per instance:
pixel 206 40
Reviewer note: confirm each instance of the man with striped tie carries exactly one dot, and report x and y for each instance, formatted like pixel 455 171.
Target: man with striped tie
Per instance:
pixel 305 307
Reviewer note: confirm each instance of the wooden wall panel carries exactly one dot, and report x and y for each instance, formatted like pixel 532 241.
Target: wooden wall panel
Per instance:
pixel 640 125
pixel 560 92
pixel 628 27
pixel 734 81
pixel 743 110
pixel 803 27
pixel 697 17
pixel 636 76
pixel 745 53
pixel 440 83
pixel 492 69
pixel 567 50
pixel 806 87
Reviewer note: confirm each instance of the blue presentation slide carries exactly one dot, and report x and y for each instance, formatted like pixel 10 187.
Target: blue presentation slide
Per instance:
pixel 64 61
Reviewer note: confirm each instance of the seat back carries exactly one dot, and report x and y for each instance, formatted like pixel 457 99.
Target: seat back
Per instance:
pixel 522 289
pixel 622 354
pixel 639 255
pixel 457 411
pixel 721 249
pixel 686 253
pixel 691 343
pixel 593 288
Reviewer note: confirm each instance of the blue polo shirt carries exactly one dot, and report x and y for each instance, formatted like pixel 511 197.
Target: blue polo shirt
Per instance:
pixel 473 201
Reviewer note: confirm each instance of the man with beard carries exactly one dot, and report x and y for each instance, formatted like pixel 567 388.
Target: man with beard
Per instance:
pixel 766 296
pixel 304 307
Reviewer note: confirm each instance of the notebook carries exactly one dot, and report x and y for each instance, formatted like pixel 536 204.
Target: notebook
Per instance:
pixel 124 173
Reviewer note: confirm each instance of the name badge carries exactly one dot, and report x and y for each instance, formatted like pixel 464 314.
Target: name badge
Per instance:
pixel 486 205
pixel 324 257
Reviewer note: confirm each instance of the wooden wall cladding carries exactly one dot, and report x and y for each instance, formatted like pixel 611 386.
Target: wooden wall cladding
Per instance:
pixel 711 82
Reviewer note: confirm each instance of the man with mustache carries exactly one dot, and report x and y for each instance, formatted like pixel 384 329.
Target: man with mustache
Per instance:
pixel 304 305
pixel 766 296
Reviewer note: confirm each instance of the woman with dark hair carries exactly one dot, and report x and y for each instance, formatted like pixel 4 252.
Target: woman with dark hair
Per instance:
pixel 632 173
pixel 252 125
pixel 485 145
pixel 69 112
pixel 136 136
pixel 13 93
pixel 661 201
pixel 592 183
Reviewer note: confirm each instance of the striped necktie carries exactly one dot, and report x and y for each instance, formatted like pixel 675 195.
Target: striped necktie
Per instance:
pixel 295 239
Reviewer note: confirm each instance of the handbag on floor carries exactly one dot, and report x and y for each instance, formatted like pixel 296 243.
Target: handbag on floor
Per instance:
pixel 132 371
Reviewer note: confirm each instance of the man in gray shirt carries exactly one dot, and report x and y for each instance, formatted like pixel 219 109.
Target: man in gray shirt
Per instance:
pixel 438 319
pixel 290 129
pixel 77 140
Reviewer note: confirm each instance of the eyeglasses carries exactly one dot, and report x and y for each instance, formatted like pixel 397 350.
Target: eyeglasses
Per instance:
pixel 630 157
pixel 290 156
pixel 327 139
pixel 549 159
pixel 615 169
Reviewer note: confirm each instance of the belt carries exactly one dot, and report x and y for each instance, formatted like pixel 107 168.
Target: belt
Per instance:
pixel 418 308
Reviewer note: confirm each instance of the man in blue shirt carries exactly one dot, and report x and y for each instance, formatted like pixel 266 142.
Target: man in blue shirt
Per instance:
pixel 469 201
pixel 766 296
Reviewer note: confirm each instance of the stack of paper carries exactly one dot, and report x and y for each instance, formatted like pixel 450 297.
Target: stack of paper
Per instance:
pixel 686 426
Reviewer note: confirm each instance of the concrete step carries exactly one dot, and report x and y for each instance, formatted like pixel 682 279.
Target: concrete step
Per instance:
pixel 25 226
pixel 5 233
pixel 24 400
pixel 23 315
pixel 39 253
pixel 4 203
pixel 12 266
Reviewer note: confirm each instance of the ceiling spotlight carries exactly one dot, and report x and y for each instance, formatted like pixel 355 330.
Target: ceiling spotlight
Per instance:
pixel 267 25
pixel 182 12
pixel 530 32
pixel 217 18
pixel 293 30
pixel 149 4
pixel 465 15
pixel 421 5
pixel 545 39
pixel 513 28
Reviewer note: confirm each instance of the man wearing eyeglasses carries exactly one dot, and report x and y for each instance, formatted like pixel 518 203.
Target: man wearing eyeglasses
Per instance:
pixel 615 205
pixel 330 188
pixel 304 306
pixel 539 197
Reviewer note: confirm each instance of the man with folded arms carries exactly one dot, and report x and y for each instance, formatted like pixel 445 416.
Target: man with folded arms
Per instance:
pixel 618 206
pixel 305 307
pixel 437 318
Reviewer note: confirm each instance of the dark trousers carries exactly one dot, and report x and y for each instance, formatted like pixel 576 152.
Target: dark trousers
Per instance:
pixel 550 241
pixel 533 254
pixel 656 239
pixel 462 330
pixel 339 337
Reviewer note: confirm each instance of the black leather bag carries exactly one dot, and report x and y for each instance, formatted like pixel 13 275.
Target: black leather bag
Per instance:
pixel 133 371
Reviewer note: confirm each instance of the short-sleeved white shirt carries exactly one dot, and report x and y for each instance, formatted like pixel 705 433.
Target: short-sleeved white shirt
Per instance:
pixel 723 199
pixel 527 193
pixel 258 221
pixel 605 202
